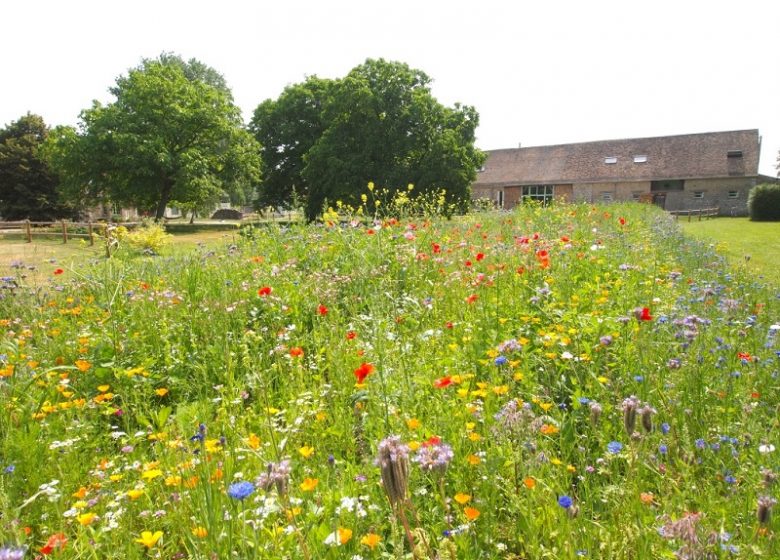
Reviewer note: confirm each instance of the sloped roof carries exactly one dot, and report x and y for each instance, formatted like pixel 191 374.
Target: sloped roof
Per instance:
pixel 686 156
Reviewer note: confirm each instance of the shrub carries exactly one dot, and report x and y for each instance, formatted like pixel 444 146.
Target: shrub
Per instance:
pixel 764 203
pixel 227 214
pixel 148 238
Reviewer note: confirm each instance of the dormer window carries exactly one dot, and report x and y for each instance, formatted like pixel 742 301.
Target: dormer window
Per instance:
pixel 734 154
pixel 610 160
pixel 640 159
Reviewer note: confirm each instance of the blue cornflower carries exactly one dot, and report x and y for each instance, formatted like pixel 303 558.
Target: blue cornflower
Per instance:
pixel 565 502
pixel 665 427
pixel 501 360
pixel 663 449
pixel 10 553
pixel 639 378
pixel 583 400
pixel 700 443
pixel 9 469
pixel 729 479
pixel 614 447
pixel 240 490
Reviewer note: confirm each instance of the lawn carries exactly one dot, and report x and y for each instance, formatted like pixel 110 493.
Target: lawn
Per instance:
pixel 557 383
pixel 754 246
pixel 41 257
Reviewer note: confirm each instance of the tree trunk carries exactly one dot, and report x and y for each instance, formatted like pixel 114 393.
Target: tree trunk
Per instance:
pixel 192 217
pixel 165 196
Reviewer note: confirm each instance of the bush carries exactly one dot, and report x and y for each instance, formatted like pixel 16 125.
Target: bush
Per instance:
pixel 764 203
pixel 200 226
pixel 149 238
pixel 227 214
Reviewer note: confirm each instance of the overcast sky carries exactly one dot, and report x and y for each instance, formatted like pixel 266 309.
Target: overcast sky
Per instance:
pixel 539 72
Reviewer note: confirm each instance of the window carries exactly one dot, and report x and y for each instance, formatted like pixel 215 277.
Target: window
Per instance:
pixel 610 160
pixel 734 153
pixel 667 185
pixel 733 194
pixel 481 169
pixel 698 194
pixel 636 195
pixel 606 196
pixel 538 193
pixel 500 199
pixel 640 159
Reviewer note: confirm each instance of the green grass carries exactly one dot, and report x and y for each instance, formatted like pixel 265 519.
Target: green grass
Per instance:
pixel 739 238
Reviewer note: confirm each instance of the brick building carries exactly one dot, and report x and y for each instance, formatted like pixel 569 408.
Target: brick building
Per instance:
pixel 685 172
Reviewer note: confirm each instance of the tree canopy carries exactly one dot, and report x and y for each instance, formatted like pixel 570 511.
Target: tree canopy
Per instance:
pixel 28 188
pixel 172 136
pixel 326 139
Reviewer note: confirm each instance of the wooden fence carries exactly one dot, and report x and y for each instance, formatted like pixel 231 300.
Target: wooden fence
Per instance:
pixel 63 229
pixel 700 212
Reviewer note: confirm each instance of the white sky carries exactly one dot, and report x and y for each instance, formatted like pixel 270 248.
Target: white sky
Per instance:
pixel 538 71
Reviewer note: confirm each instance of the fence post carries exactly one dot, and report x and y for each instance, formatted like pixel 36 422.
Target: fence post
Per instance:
pixel 89 231
pixel 28 230
pixel 64 232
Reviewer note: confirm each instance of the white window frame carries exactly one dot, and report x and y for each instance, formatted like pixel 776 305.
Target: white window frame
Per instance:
pixel 640 159
pixel 698 194
pixel 538 193
pixel 610 160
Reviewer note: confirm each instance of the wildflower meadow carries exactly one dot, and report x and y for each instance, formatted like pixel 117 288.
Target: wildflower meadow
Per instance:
pixel 573 381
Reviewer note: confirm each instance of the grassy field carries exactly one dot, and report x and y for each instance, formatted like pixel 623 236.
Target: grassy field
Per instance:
pixel 556 383
pixel 43 256
pixel 739 238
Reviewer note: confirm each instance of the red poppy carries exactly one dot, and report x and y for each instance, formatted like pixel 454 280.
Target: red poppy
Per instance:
pixel 363 371
pixel 433 440
pixel 565 239
pixel 264 291
pixel 436 247
pixel 56 541
pixel 472 298
pixel 744 356
pixel 58 271
pixel 480 256
pixel 296 352
pixel 443 382
pixel 449 324
pixel 351 335
pixel 322 310
pixel 643 314
pixel 622 221
pixel 468 263
pixel 370 231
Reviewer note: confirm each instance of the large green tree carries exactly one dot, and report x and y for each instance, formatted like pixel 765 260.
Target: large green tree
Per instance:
pixel 28 188
pixel 380 123
pixel 287 128
pixel 172 136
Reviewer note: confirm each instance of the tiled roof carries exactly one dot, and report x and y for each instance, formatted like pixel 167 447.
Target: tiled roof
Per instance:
pixel 686 156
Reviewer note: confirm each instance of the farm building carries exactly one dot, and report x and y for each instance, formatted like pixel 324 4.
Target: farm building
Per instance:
pixel 684 172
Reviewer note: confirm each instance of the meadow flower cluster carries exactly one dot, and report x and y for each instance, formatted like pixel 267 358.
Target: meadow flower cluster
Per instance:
pixel 561 382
